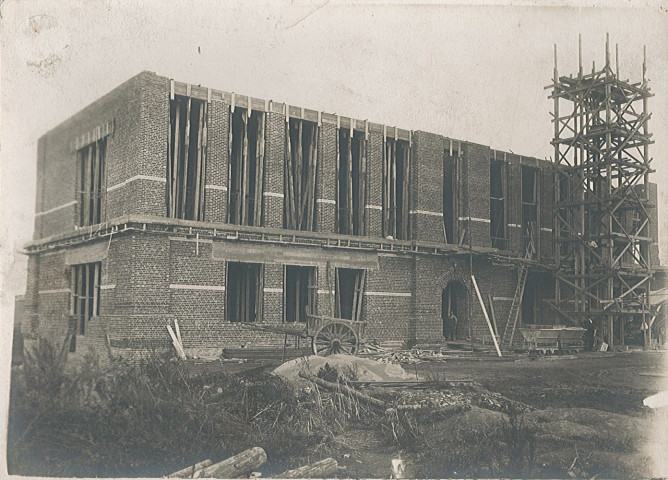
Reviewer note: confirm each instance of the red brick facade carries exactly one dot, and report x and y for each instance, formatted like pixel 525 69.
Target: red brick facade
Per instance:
pixel 155 270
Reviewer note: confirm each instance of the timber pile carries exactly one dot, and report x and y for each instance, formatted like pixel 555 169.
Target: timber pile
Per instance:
pixel 234 467
pixel 175 334
pixel 266 353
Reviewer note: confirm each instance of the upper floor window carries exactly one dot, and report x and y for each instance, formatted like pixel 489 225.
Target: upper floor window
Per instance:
pixel 450 196
pixel 529 210
pixel 396 164
pixel 351 175
pixel 91 182
pixel 246 166
pixel 497 204
pixel 186 158
pixel 301 170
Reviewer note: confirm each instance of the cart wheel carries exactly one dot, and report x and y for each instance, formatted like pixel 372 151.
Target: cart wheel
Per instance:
pixel 333 338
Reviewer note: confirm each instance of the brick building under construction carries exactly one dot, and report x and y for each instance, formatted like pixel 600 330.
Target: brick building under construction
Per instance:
pixel 163 201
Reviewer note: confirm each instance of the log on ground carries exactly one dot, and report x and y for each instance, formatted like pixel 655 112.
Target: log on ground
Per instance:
pixel 236 466
pixel 321 469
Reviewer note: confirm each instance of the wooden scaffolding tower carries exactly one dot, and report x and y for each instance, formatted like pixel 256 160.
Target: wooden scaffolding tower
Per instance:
pixel 601 218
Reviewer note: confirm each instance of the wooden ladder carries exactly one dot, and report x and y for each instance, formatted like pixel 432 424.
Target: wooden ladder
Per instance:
pixel 516 306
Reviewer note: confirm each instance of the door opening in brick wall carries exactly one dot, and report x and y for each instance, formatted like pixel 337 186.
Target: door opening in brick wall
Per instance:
pixel 246 166
pixel 497 204
pixel 299 293
pixel 349 293
pixel 454 300
pixel 529 211
pixel 186 158
pixel 244 292
pixel 351 181
pixel 450 204
pixel 92 182
pixel 85 298
pixel 301 170
pixel 396 170
pixel 530 301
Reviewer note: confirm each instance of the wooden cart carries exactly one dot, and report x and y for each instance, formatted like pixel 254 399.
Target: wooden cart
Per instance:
pixel 329 335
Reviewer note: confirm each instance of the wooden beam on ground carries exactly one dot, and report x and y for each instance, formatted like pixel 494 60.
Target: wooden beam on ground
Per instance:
pixel 188 472
pixel 322 469
pixel 236 466
pixel 337 387
pixel 484 312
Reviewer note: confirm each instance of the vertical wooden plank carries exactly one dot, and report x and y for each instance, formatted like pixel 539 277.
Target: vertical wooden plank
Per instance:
pixel 177 162
pixel 349 182
pixel 198 165
pixel 298 175
pixel 337 212
pixel 96 289
pixel 73 289
pixel 87 165
pixel 95 181
pixel 406 198
pixel 314 175
pixel 361 175
pixel 103 180
pixel 289 175
pixel 205 143
pixel 186 161
pixel 329 287
pixel 86 309
pixel 245 169
pixel 259 170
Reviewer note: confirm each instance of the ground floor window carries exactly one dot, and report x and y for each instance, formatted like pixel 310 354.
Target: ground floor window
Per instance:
pixel 244 292
pixel 299 293
pixel 349 293
pixel 454 309
pixel 85 297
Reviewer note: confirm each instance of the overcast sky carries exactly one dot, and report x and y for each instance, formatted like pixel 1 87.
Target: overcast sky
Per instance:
pixel 469 72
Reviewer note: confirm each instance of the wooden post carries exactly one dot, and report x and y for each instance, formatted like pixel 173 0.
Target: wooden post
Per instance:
pixel 236 466
pixel 322 469
pixel 198 167
pixel 205 141
pixel 186 158
pixel 484 312
pixel 244 170
pixel 491 310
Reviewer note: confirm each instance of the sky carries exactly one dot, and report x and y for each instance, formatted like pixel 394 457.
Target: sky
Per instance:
pixel 471 72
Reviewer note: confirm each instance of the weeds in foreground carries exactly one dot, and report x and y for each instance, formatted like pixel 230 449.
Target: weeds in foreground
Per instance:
pixel 155 417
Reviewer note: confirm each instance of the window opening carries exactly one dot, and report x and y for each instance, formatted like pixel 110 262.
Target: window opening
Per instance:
pixel 300 174
pixel 246 166
pixel 349 293
pixel 244 290
pixel 300 293
pixel 85 297
pixel 351 175
pixel 92 182
pixel 186 162
pixel 396 163
pixel 497 204
pixel 450 176
pixel 529 210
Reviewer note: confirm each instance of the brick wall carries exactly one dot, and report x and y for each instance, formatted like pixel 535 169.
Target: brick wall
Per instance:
pixel 373 219
pixel 327 181
pixel 217 162
pixel 427 187
pixel 475 194
pixel 272 207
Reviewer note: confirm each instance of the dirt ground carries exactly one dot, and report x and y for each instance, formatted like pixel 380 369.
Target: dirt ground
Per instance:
pixel 587 413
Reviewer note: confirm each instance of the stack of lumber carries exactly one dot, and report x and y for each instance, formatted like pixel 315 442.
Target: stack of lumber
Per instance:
pixel 267 353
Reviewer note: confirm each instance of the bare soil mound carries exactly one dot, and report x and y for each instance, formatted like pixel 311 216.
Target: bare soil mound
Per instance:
pixel 363 369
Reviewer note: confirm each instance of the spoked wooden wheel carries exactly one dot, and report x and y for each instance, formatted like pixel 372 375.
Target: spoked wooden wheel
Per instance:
pixel 333 338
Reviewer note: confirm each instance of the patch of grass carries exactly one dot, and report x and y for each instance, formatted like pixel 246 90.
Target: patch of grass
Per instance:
pixel 155 417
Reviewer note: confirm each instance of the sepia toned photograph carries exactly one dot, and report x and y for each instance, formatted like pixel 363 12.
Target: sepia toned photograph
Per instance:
pixel 334 239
